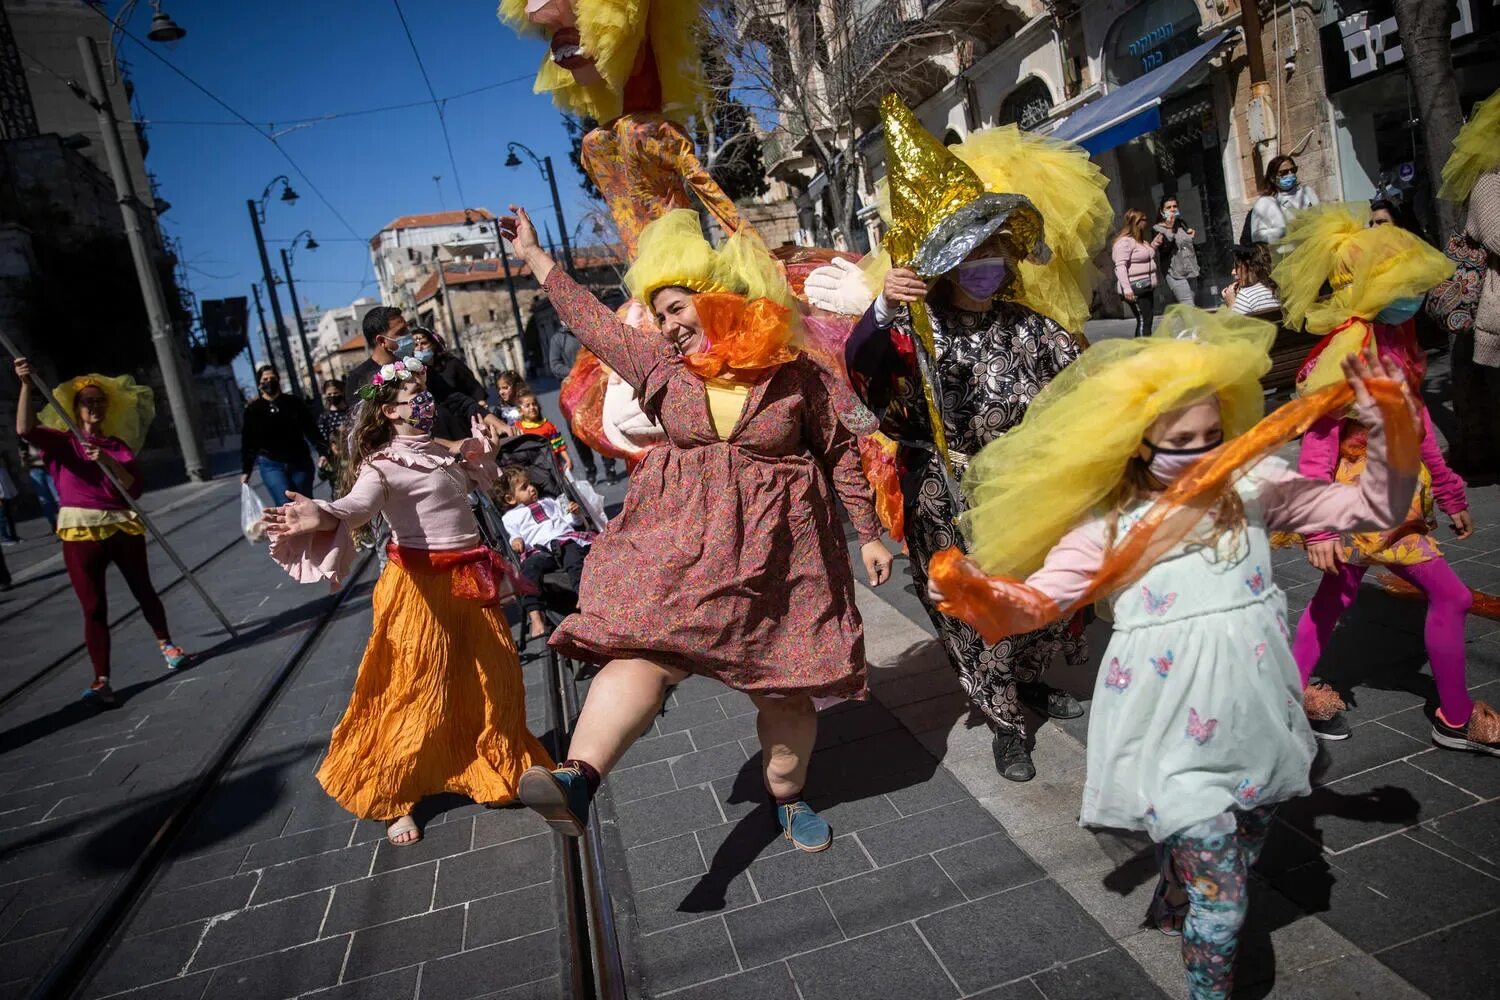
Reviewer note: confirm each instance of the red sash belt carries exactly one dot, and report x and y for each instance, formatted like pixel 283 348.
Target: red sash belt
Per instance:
pixel 479 574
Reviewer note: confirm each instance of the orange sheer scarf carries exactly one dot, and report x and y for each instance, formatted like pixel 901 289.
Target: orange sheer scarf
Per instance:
pixel 745 338
pixel 998 606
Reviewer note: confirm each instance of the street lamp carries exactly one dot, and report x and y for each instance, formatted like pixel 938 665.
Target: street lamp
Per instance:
pixel 291 289
pixel 257 217
pixel 544 164
pixel 163 28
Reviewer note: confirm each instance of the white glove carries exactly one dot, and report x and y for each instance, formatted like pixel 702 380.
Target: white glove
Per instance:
pixel 839 287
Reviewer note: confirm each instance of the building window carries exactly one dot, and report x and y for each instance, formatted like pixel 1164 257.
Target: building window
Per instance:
pixel 466 321
pixel 492 315
pixel 1028 106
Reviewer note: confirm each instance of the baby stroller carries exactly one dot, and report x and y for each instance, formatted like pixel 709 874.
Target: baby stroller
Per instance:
pixel 535 455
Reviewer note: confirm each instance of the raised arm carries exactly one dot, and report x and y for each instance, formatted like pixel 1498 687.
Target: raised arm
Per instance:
pixel 635 356
pixel 25 417
pixel 314 539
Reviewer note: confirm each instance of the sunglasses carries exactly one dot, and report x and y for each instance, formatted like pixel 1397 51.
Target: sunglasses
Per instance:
pixel 92 401
pixel 1286 171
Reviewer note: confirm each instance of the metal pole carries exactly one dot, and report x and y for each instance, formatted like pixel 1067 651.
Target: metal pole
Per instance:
pixel 561 225
pixel 291 289
pixel 265 331
pixel 510 286
pixel 448 305
pixel 184 410
pixel 67 418
pixel 265 267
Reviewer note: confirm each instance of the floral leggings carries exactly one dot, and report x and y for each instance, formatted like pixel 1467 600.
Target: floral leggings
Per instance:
pixel 1212 859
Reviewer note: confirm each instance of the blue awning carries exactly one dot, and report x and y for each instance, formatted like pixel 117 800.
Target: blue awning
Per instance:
pixel 1134 109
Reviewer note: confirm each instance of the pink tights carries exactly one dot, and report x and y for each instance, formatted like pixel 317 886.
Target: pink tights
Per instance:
pixel 1448 603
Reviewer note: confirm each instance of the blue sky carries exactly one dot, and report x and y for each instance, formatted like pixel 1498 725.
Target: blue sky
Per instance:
pixel 278 62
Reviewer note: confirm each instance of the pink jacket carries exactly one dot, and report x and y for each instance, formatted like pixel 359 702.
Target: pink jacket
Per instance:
pixel 1291 502
pixel 1134 261
pixel 422 490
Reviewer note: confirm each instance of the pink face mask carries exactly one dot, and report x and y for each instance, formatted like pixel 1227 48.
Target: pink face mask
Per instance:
pixel 1169 463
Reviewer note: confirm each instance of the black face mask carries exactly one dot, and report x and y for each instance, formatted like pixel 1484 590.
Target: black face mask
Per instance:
pixel 334 401
pixel 270 386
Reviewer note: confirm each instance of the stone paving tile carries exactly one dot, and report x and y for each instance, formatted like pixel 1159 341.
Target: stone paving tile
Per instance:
pixel 664 861
pixel 262 929
pixel 691 899
pixel 207 899
pixel 318 871
pixel 508 915
pixel 987 865
pixel 1456 961
pixel 770 982
pixel 642 781
pixel 1372 803
pixel 790 871
pixel 381 898
pixel 895 962
pixel 1110 975
pixel 682 956
pixel 768 932
pixel 484 971
pixel 398 985
pixel 494 869
pixel 286 973
pixel 405 942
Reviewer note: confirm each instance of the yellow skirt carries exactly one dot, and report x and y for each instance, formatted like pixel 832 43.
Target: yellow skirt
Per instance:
pixel 439 704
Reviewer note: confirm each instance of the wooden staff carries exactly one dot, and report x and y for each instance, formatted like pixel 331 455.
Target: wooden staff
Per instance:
pixel 156 533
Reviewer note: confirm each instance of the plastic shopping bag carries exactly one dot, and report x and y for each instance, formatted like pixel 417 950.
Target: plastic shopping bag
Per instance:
pixel 251 510
pixel 590 498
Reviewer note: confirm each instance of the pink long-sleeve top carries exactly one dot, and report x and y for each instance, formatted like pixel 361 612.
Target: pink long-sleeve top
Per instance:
pixel 1290 501
pixel 420 488
pixel 1134 261
pixel 80 480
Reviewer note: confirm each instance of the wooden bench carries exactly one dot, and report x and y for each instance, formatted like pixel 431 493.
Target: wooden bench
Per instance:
pixel 1288 351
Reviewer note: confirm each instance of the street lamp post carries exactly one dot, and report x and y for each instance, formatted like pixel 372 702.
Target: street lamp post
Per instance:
pixel 544 164
pixel 265 331
pixel 291 289
pixel 257 216
pixel 184 411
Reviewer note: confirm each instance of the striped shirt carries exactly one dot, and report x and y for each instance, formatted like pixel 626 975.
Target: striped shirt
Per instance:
pixel 546 429
pixel 1253 299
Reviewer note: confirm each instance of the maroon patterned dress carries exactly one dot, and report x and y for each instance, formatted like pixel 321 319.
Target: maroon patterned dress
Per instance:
pixel 729 559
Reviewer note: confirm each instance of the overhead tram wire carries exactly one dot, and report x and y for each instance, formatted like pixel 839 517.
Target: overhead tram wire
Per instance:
pixel 296 168
pixel 436 104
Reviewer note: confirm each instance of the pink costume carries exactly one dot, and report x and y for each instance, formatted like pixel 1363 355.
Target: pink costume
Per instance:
pixel 424 511
pixel 1332 450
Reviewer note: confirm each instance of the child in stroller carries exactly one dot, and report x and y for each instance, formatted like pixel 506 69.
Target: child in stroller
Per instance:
pixel 544 529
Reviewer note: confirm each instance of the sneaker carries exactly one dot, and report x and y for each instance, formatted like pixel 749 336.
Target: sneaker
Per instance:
pixel 1049 701
pixel 173 654
pixel 1481 734
pixel 100 693
pixel 804 828
pixel 1012 759
pixel 1325 711
pixel 561 797
pixel 1332 729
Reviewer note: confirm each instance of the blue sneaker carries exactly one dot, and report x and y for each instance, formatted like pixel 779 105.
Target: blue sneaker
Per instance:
pixel 100 693
pixel 804 828
pixel 561 797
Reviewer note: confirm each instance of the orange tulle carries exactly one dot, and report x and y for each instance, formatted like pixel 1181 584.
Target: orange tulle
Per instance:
pixel 439 704
pixel 877 458
pixel 743 336
pixel 1485 605
pixel 581 400
pixel 999 606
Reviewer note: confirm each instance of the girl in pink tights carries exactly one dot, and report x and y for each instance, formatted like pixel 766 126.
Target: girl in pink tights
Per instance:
pixel 1335 449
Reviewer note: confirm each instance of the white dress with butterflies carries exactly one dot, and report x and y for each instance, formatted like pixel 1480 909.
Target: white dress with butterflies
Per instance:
pixel 1197 709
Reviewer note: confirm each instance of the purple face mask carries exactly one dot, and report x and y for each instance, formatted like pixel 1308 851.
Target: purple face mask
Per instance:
pixel 983 278
pixel 423 412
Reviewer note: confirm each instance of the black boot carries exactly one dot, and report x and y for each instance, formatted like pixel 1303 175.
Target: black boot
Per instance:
pixel 1052 703
pixel 1012 759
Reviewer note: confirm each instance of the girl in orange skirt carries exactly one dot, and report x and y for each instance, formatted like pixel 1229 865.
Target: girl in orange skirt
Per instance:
pixel 439 704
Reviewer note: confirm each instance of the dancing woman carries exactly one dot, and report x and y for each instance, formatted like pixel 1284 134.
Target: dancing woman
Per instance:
pixel 97 525
pixel 728 559
pixel 439 704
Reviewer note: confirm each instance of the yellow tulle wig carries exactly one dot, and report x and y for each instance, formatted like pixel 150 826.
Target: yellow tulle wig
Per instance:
pixel 1367 268
pixel 1476 150
pixel 611 32
pixel 1068 190
pixel 1029 487
pixel 128 414
pixel 673 251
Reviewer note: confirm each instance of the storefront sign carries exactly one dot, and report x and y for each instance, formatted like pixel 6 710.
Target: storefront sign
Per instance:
pixel 1148 36
pixel 1367 43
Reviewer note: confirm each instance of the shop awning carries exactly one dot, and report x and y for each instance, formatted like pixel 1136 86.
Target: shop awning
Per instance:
pixel 1134 109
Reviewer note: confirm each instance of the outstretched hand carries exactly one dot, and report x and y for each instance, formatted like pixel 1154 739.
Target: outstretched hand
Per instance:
pixel 1361 367
pixel 300 516
pixel 518 229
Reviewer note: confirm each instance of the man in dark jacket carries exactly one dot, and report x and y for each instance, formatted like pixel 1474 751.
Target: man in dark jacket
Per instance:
pixel 277 429
pixel 562 351
pixel 387 336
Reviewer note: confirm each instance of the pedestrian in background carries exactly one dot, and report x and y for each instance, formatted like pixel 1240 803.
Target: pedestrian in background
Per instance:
pixel 41 483
pixel 1252 292
pixel 562 352
pixel 509 385
pixel 274 439
pixel 331 424
pixel 430 349
pixel 9 492
pixel 1135 268
pixel 1282 196
pixel 532 422
pixel 1176 257
pixel 96 524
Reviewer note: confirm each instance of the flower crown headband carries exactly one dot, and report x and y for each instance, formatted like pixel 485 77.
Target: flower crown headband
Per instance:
pixel 401 371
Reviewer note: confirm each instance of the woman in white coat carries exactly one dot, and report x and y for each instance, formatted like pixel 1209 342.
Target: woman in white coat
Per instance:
pixel 1282 196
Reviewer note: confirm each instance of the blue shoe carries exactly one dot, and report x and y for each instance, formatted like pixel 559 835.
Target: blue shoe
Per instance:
pixel 561 797
pixel 804 828
pixel 100 693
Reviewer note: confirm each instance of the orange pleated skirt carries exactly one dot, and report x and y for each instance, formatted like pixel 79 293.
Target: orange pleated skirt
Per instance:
pixel 439 704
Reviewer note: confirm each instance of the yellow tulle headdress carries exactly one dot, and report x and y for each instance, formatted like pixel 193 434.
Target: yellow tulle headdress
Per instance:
pixel 747 309
pixel 612 33
pixel 1067 188
pixel 1476 150
pixel 1366 268
pixel 1030 486
pixel 128 413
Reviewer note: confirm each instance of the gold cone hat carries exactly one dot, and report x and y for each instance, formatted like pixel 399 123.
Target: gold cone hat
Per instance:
pixel 927 183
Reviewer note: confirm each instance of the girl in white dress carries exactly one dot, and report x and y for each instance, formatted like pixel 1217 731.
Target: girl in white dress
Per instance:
pixel 1197 728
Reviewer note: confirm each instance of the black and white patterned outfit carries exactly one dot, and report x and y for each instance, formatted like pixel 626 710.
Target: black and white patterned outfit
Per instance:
pixel 990 365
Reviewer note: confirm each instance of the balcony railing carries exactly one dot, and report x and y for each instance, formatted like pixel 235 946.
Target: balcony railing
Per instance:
pixel 879 28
